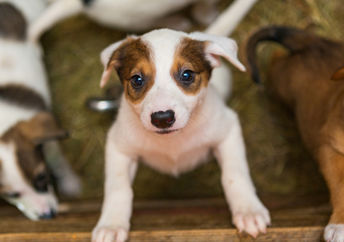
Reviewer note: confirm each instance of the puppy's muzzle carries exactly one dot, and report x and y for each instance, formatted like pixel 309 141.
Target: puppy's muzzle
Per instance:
pixel 49 215
pixel 163 119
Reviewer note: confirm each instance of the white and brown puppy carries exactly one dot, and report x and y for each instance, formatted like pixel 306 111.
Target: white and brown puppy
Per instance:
pixel 139 15
pixel 172 115
pixel 309 79
pixel 131 15
pixel 27 128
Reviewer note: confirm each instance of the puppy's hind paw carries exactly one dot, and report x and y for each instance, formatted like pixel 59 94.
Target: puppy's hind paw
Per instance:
pixel 252 222
pixel 106 234
pixel 334 233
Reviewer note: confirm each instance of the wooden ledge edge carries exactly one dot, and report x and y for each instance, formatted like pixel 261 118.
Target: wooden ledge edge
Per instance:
pixel 313 232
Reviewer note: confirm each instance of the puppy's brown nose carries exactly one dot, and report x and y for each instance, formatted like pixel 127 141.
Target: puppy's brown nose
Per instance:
pixel 163 119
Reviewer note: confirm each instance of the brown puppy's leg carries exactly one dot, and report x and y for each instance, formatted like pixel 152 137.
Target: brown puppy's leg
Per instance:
pixel 332 166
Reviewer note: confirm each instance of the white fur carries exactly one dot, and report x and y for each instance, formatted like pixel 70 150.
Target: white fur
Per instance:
pixel 21 63
pixel 31 9
pixel 31 203
pixel 230 18
pixel 203 123
pixel 160 97
pixel 334 233
pixel 133 15
pixel 12 115
pixel 141 15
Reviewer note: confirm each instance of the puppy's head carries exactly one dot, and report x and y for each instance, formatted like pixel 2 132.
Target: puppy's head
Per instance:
pixel 24 176
pixel 165 73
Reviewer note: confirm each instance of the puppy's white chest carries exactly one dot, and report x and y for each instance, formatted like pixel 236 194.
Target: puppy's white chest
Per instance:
pixel 173 160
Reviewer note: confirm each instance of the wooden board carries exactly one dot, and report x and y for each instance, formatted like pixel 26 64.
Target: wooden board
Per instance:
pixel 190 220
pixel 210 235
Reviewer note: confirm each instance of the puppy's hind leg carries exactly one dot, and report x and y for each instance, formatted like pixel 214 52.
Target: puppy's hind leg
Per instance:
pixel 229 19
pixel 68 182
pixel 57 10
pixel 248 213
pixel 332 167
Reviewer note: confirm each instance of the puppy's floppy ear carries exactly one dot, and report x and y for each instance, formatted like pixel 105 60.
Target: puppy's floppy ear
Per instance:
pixel 41 128
pixel 338 75
pixel 219 46
pixel 108 61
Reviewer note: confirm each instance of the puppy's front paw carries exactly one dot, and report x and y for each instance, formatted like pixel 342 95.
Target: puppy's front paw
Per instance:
pixel 69 185
pixel 252 221
pixel 334 233
pixel 107 234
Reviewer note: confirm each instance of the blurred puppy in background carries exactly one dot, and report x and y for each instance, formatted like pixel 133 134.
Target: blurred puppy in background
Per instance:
pixel 27 128
pixel 172 115
pixel 310 80
pixel 135 15
pixel 129 15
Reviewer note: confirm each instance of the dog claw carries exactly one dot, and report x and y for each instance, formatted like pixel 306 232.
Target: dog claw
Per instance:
pixel 252 223
pixel 106 234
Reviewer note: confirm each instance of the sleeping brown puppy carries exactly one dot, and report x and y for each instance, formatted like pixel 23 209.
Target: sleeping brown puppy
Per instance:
pixel 310 80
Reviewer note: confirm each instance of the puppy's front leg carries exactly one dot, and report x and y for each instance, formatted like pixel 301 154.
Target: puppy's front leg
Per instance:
pixel 248 213
pixel 114 224
pixel 68 182
pixel 332 166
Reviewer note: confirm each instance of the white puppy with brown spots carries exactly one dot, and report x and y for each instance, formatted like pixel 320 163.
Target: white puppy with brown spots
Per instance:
pixel 129 15
pixel 138 15
pixel 27 128
pixel 172 115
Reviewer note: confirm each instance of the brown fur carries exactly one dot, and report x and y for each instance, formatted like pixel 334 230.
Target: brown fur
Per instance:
pixel 338 75
pixel 22 96
pixel 190 56
pixel 132 58
pixel 12 23
pixel 28 136
pixel 302 80
pixel 29 157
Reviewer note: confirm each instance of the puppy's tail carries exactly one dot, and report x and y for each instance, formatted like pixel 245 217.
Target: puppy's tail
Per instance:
pixel 56 11
pixel 292 39
pixel 230 18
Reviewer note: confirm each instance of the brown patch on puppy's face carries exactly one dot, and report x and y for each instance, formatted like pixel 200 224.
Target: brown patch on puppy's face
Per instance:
pixel 28 138
pixel 191 71
pixel 30 158
pixel 133 64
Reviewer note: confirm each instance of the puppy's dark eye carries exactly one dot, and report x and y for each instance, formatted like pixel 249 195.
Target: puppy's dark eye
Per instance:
pixel 41 182
pixel 187 77
pixel 12 195
pixel 137 81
